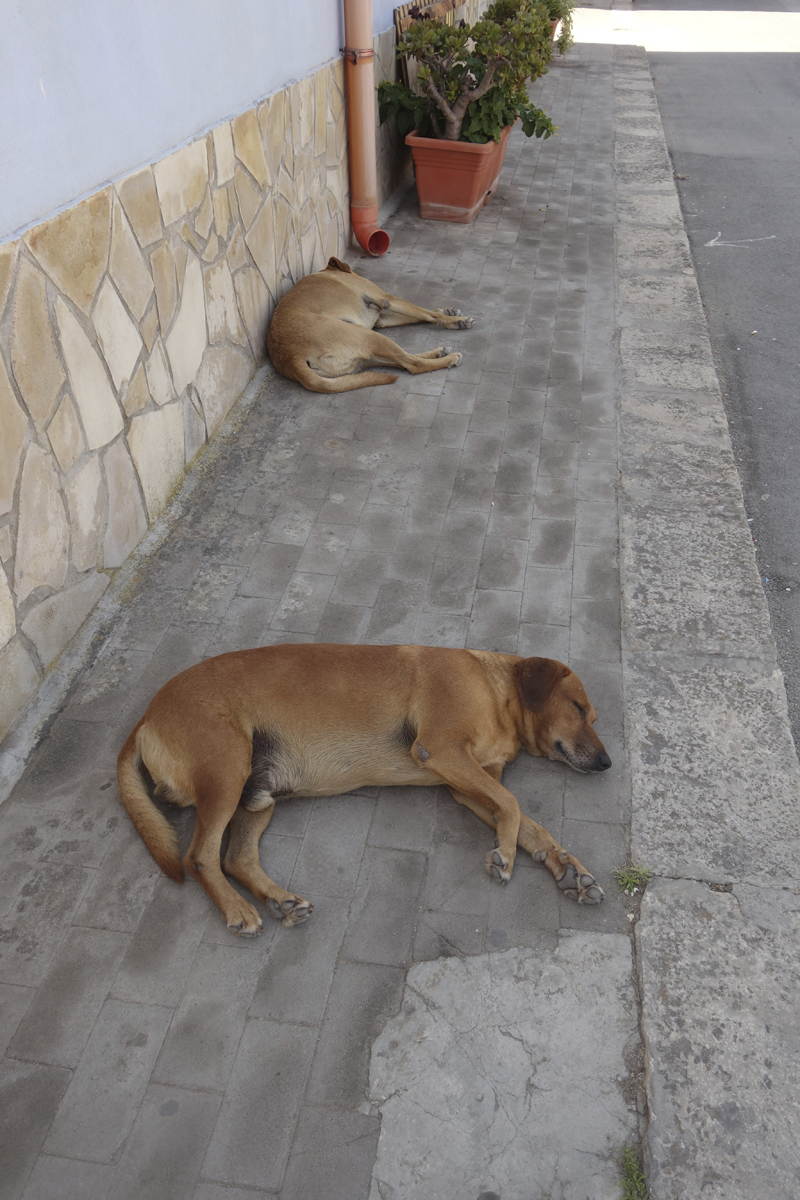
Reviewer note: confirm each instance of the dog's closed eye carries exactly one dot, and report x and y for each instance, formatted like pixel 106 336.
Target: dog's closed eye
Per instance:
pixel 580 709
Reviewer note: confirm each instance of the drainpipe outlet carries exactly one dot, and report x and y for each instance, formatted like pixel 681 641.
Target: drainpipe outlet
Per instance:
pixel 368 233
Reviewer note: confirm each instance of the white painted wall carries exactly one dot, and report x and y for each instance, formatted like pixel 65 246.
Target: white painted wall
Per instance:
pixel 383 13
pixel 92 89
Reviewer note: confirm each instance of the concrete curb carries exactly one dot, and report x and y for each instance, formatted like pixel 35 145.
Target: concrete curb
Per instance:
pixel 715 775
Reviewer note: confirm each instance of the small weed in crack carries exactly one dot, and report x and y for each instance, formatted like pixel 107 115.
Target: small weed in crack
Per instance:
pixel 634 1184
pixel 632 879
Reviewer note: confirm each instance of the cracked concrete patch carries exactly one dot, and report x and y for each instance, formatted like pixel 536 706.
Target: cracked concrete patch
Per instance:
pixel 503 1075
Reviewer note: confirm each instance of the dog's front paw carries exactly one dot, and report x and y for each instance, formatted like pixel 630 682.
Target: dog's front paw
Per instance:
pixel 242 919
pixel 453 312
pixel 445 350
pixel 291 912
pixel 466 323
pixel 581 887
pixel 498 866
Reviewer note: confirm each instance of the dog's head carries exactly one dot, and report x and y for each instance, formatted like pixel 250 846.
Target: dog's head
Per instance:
pixel 558 715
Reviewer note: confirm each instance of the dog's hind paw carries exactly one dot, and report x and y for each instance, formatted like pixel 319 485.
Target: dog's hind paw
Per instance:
pixel 466 323
pixel 453 312
pixel 582 888
pixel 292 911
pixel 445 350
pixel 497 866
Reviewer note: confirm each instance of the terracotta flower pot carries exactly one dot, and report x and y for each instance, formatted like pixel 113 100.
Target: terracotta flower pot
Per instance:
pixel 455 179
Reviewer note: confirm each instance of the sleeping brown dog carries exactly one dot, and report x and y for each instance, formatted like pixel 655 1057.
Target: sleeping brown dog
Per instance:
pixel 323 332
pixel 234 733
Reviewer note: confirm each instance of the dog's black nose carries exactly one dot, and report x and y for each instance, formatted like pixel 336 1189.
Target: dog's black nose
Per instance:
pixel 602 762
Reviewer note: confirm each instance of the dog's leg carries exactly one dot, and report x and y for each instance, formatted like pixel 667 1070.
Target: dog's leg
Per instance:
pixel 242 862
pixel 402 312
pixel 570 875
pixel 460 771
pixel 330 385
pixel 382 351
pixel 217 798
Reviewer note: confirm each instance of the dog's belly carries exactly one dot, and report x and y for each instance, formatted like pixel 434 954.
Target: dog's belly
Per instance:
pixel 333 778
pixel 330 766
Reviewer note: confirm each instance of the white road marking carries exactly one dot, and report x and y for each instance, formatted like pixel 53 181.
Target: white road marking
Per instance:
pixel 739 242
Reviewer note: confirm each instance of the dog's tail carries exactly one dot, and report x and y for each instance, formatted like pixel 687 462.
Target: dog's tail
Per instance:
pixel 344 383
pixel 154 828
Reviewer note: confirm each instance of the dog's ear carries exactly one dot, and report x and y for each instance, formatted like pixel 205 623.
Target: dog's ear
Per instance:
pixel 537 679
pixel 336 264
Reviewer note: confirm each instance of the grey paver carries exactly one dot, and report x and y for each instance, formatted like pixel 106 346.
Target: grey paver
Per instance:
pixel 103 695
pixel 61 761
pixel 103 1097
pixel 442 935
pixel 84 835
pixel 122 886
pixel 495 621
pixel 525 913
pixel 253 1134
pixel 58 1022
pixel 332 1156
pixel 14 1001
pixel 404 818
pixel 29 1096
pixel 551 543
pixel 161 951
pixel 216 1191
pixel 595 632
pixel 363 996
pixel 202 1041
pixel 296 976
pixel 271 568
pixel 303 603
pixel 164 1152
pixel 382 916
pixel 34 926
pixel 53 1178
pixel 330 856
pixel 26 831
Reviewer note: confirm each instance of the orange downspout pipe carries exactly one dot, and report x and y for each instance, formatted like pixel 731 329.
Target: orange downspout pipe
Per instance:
pixel 359 56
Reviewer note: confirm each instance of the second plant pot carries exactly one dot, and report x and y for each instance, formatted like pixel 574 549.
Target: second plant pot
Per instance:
pixel 455 179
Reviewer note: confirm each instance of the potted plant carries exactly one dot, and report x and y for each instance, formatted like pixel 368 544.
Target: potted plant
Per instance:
pixel 560 13
pixel 471 92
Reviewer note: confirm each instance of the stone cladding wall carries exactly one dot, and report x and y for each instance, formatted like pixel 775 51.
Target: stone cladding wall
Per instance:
pixel 129 325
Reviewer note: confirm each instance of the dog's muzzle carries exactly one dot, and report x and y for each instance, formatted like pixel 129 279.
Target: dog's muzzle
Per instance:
pixel 601 761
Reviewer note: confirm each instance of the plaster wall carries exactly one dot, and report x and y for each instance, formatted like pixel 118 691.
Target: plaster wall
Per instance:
pixel 90 90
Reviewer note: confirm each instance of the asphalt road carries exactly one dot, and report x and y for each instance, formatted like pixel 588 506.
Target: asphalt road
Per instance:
pixel 732 123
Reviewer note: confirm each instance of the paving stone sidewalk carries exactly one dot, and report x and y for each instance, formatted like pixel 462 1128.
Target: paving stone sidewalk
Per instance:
pixel 148 1052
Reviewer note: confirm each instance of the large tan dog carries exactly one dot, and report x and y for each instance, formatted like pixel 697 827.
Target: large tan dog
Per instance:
pixel 234 733
pixel 322 333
